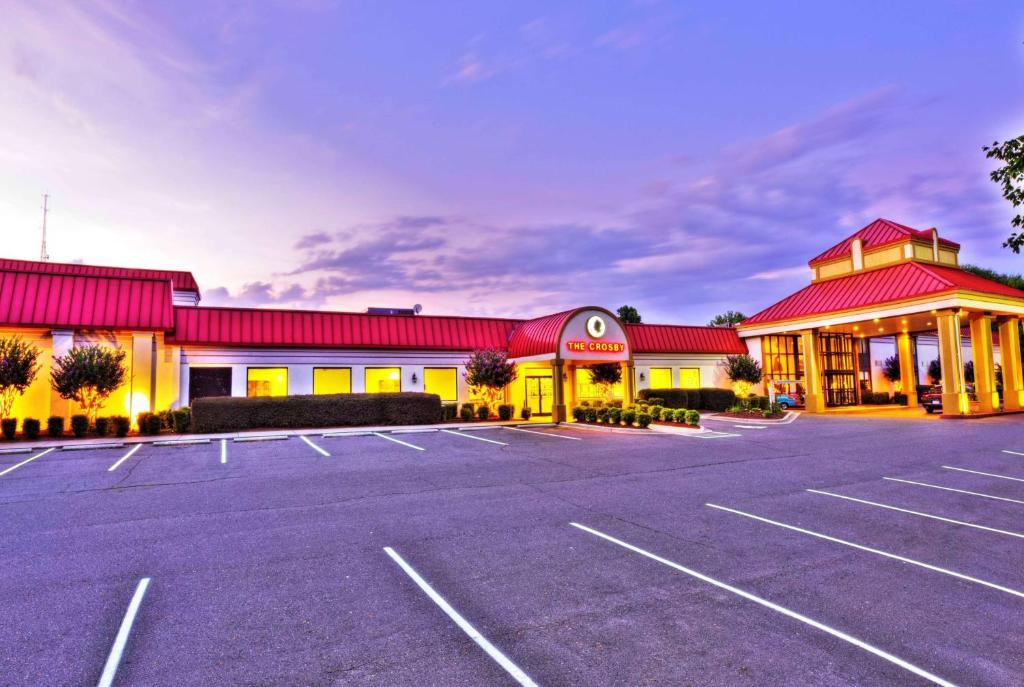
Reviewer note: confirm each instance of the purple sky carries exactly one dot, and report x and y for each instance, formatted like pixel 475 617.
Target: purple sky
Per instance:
pixel 502 158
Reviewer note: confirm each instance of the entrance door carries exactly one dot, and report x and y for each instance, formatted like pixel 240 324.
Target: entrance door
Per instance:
pixel 538 395
pixel 208 381
pixel 838 381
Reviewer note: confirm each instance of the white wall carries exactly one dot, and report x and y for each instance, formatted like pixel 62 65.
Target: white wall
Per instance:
pixel 712 368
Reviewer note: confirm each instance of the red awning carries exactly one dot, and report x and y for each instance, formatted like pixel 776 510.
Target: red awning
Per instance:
pixel 538 336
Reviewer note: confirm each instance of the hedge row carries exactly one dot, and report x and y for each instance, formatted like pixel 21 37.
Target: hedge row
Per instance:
pixel 693 399
pixel 229 414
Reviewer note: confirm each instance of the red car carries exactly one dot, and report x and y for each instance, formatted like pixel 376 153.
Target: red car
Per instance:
pixel 932 400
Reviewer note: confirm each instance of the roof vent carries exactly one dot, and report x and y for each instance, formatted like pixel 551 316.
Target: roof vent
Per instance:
pixel 857 253
pixel 414 310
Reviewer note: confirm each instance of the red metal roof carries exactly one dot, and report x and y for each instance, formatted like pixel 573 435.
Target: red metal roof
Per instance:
pixel 539 336
pixel 31 299
pixel 879 233
pixel 668 338
pixel 183 281
pixel 888 284
pixel 312 329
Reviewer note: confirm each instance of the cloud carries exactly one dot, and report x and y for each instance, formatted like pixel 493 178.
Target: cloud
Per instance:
pixel 470 68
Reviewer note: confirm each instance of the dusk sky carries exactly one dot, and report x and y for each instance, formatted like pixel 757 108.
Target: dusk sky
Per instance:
pixel 501 158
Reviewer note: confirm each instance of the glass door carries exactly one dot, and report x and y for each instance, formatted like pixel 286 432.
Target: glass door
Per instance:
pixel 838 382
pixel 538 395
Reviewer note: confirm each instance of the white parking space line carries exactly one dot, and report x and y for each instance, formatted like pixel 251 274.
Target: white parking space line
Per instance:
pixel 1008 533
pixel 26 461
pixel 751 427
pixel 470 436
pixel 869 549
pixel 124 458
pixel 116 651
pixel 838 634
pixel 398 441
pixel 543 434
pixel 959 491
pixel 1013 453
pixel 314 446
pixel 986 474
pixel 501 659
pixel 223 451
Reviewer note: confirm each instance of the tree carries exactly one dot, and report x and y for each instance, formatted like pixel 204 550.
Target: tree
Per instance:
pixel 605 376
pixel 935 371
pixel 88 375
pixel 744 372
pixel 489 371
pixel 18 370
pixel 969 372
pixel 1014 281
pixel 1010 178
pixel 730 318
pixel 891 368
pixel 629 314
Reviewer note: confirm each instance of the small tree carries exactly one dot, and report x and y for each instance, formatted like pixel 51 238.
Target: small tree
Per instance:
pixel 891 368
pixel 628 314
pixel 18 370
pixel 969 372
pixel 935 371
pixel 730 318
pixel 605 376
pixel 88 375
pixel 489 371
pixel 744 372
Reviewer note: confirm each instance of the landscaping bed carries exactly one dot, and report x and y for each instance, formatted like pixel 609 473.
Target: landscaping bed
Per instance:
pixel 754 414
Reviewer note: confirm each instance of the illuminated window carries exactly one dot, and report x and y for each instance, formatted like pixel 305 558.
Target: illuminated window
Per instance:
pixel 383 380
pixel 267 381
pixel 661 378
pixel 332 380
pixel 689 378
pixel 442 381
pixel 586 390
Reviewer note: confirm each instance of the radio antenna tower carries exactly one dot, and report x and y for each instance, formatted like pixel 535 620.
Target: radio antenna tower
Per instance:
pixel 43 255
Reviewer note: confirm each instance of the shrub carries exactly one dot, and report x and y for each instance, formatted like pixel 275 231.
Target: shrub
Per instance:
pixel 490 372
pixel 655 412
pixel 766 414
pixel 679 414
pixel 877 398
pixel 525 413
pixel 55 427
pixel 79 425
pixel 449 411
pixel 629 417
pixel 30 428
pixel 668 398
pixel 591 415
pixel 617 403
pixel 122 425
pixel 88 375
pixel 18 370
pixel 602 415
pixel 935 371
pixel 743 368
pixel 615 415
pixel 605 375
pixel 598 403
pixel 655 400
pixel 181 420
pixel 231 413
pixel 467 412
pixel 692 418
pixel 166 419
pixel 102 426
pixel 483 412
pixel 149 423
pixel 900 399
pixel 716 400
pixel 8 426
pixel 643 420
pixel 505 412
pixel 579 413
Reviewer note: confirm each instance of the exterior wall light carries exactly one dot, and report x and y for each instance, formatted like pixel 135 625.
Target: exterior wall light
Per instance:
pixel 414 378
pixel 641 376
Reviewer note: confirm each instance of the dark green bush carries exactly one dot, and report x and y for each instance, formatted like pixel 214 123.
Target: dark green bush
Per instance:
pixel 466 413
pixel 655 401
pixel 505 412
pixel 579 413
pixel 149 423
pixel 615 415
pixel 525 413
pixel 602 415
pixel 692 418
pixel 716 400
pixel 55 427
pixel 628 417
pixel 900 399
pixel 227 413
pixel 655 412
pixel 483 412
pixel 166 419
pixel 181 420
pixel 102 426
pixel 679 414
pixel 591 414
pixel 617 403
pixel 8 427
pixel 121 425
pixel 30 428
pixel 669 398
pixel 449 411
pixel 79 425
pixel 876 398
pixel 643 420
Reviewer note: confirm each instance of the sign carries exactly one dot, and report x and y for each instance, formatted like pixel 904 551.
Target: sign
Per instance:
pixel 595 346
pixel 596 327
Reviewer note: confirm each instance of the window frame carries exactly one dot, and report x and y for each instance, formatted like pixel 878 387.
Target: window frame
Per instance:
pixel 249 368
pixel 383 367
pixel 453 368
pixel 333 367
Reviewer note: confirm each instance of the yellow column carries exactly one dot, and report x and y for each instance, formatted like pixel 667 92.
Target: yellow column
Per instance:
pixel 908 373
pixel 573 401
pixel 628 383
pixel 558 388
pixel 954 395
pixel 984 363
pixel 814 399
pixel 1009 352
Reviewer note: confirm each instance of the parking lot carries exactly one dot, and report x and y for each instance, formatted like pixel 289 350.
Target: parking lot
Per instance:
pixel 838 551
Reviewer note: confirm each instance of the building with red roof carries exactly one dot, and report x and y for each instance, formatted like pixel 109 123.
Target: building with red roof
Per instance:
pixel 890 284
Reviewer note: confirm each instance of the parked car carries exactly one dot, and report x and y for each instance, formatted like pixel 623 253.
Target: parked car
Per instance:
pixel 787 401
pixel 932 400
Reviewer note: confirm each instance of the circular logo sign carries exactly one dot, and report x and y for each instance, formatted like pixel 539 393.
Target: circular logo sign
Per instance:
pixel 595 326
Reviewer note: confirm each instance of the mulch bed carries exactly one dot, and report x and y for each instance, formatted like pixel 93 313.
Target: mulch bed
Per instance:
pixel 753 415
